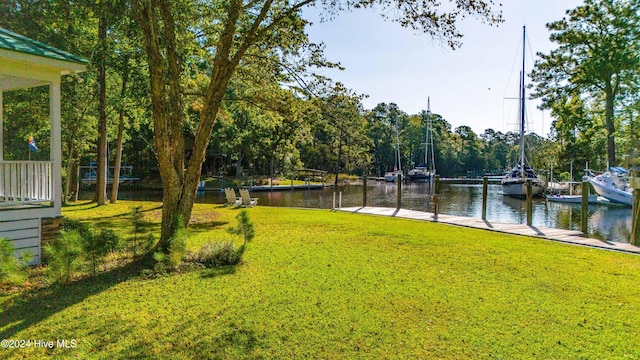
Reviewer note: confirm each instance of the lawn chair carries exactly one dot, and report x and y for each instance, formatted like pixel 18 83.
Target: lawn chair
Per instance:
pixel 232 199
pixel 246 199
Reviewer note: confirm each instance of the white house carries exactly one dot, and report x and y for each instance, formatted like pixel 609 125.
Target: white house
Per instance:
pixel 31 191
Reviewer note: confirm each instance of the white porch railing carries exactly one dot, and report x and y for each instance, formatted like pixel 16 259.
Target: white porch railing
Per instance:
pixel 25 182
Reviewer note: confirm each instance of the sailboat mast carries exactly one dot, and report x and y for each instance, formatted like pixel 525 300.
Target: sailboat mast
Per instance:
pixel 426 134
pixel 522 110
pixel 398 147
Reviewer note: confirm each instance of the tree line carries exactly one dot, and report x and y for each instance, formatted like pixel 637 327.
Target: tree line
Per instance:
pixel 181 89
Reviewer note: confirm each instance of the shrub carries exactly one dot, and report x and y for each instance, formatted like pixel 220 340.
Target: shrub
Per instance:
pixel 217 254
pixel 12 269
pixel 70 225
pixel 64 255
pixel 160 262
pixel 178 245
pixel 245 227
pixel 96 247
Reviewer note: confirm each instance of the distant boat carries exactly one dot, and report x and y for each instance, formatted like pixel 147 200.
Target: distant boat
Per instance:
pixel 572 199
pixel 515 183
pixel 393 176
pixel 424 172
pixel 612 185
pixel 90 175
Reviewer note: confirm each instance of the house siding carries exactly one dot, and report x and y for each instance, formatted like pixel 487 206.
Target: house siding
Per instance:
pixel 24 235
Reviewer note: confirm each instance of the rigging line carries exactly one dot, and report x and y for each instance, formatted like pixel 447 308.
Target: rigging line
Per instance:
pixel 516 61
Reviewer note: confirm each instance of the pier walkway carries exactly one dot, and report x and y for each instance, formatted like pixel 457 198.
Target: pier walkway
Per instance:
pixel 566 236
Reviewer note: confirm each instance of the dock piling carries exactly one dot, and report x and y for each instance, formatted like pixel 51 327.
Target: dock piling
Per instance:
pixel 399 182
pixel 485 184
pixel 635 214
pixel 436 184
pixel 529 203
pixel 364 190
pixel 584 208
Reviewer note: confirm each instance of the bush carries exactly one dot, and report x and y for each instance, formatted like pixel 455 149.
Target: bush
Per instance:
pixel 245 227
pixel 178 245
pixel 12 269
pixel 217 254
pixel 64 255
pixel 70 225
pixel 96 247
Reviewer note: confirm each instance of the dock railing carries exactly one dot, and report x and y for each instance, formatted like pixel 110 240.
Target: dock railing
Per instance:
pixel 25 182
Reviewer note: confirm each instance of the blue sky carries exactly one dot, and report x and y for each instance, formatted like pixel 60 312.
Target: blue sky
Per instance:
pixel 467 86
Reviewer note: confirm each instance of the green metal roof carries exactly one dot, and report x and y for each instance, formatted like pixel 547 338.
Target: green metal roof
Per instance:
pixel 15 42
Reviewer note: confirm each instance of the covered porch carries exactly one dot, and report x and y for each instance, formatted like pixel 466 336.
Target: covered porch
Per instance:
pixel 31 191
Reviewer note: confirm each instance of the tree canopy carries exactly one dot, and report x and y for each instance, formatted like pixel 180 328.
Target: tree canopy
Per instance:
pixel 597 60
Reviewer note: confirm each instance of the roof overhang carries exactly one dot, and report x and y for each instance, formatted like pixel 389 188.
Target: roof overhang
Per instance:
pixel 19 70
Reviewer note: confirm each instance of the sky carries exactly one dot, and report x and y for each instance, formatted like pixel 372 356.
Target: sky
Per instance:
pixel 468 86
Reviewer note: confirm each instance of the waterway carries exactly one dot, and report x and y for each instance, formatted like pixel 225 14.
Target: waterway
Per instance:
pixel 611 223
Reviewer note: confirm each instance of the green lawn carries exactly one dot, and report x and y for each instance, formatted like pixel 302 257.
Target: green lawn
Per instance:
pixel 320 284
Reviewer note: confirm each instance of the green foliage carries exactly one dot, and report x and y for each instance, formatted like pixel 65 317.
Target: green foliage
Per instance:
pixel 217 254
pixel 72 224
pixel 244 227
pixel 596 61
pixel 12 269
pixel 177 249
pixel 97 246
pixel 64 255
pixel 160 265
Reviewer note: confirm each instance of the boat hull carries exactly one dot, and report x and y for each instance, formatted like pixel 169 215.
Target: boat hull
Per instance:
pixel 391 177
pixel 572 199
pixel 611 194
pixel 518 188
pixel 420 178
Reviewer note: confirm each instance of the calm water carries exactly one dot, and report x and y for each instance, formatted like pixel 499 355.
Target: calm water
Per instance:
pixel 606 223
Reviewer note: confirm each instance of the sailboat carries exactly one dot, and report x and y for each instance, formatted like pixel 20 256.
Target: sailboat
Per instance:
pixel 515 182
pixel 424 172
pixel 393 176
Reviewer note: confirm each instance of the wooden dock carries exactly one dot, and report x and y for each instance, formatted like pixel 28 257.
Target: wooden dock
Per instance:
pixel 573 237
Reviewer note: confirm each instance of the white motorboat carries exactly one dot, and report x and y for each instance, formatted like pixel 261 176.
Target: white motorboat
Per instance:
pixel 515 183
pixel 612 185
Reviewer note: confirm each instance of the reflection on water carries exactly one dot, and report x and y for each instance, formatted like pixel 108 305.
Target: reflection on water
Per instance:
pixel 607 223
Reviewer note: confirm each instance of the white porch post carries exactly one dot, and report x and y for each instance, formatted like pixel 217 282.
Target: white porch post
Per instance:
pixel 56 145
pixel 1 127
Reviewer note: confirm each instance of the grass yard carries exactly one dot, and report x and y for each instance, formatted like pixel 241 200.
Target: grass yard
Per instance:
pixel 321 284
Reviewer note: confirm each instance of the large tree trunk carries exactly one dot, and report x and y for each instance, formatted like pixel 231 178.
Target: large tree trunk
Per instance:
pixel 179 182
pixel 101 178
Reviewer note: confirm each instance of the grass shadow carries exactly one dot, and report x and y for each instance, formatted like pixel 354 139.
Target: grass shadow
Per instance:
pixel 70 207
pixel 18 312
pixel 219 271
pixel 207 225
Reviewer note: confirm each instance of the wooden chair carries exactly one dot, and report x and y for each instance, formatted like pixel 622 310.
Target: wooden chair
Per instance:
pixel 247 200
pixel 232 199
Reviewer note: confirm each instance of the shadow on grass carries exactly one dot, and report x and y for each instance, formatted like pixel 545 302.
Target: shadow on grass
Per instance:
pixel 219 271
pixel 34 306
pixel 70 206
pixel 207 225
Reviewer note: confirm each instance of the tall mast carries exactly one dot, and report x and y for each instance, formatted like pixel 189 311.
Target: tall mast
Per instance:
pixel 398 147
pixel 522 111
pixel 426 134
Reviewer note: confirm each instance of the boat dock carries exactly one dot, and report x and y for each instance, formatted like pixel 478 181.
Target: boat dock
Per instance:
pixel 573 237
